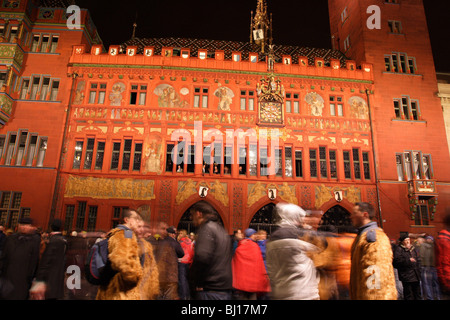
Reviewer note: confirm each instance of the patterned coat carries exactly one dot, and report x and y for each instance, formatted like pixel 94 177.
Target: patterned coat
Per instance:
pixel 133 280
pixel 372 273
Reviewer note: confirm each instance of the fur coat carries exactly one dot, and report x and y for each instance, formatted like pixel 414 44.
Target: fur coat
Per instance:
pixel 372 273
pixel 137 272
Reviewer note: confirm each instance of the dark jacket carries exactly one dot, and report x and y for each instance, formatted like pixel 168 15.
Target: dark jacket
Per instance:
pixel 52 267
pixel 176 246
pixel 2 240
pixel 166 255
pixel 211 267
pixel 18 263
pixel 408 271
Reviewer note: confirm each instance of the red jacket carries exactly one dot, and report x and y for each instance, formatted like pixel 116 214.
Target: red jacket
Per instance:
pixel 188 248
pixel 443 259
pixel 249 272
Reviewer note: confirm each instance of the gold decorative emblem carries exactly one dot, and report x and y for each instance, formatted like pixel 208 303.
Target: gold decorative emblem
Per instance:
pixel 271 97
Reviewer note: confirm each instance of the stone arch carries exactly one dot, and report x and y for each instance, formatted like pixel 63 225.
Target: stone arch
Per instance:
pixel 347 205
pixel 264 217
pixel 337 216
pixel 185 219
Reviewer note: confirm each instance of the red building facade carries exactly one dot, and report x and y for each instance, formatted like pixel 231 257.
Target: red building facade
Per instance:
pixel 408 123
pixel 160 124
pixel 36 45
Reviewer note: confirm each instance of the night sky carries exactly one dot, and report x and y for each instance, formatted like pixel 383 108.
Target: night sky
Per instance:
pixel 295 22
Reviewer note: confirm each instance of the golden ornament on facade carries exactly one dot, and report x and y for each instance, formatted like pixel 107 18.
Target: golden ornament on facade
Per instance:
pixel 324 194
pixel 259 190
pixel 188 188
pixel 103 188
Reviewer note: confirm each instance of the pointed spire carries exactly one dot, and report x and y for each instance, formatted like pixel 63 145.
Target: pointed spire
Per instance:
pixel 261 26
pixel 134 30
pixel 134 27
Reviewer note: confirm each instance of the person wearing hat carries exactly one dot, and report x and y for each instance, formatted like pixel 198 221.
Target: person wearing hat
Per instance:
pixel 407 262
pixel 177 253
pixel 49 282
pixel 250 278
pixel 19 261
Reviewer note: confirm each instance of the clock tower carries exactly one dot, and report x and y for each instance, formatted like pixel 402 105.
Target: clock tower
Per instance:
pixel 270 90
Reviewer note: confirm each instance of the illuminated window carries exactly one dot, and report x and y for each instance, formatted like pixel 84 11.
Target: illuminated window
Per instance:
pixel 248 100
pixel 201 97
pixel 406 109
pixel 292 103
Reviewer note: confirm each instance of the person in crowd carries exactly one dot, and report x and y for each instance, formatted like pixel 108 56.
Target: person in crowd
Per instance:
pixel 2 238
pixel 184 264
pixel 347 235
pixel 178 254
pixel 261 240
pixel 44 241
pixel 429 278
pixel 210 274
pixel 127 259
pixel 292 273
pixel 407 262
pixel 19 261
pixel 249 272
pixel 149 284
pixel 398 283
pixel 372 273
pixel 326 262
pixel 443 257
pixel 238 235
pixel 49 282
pixel 166 259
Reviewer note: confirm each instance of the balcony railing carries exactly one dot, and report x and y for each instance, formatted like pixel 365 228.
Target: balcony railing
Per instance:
pixel 422 187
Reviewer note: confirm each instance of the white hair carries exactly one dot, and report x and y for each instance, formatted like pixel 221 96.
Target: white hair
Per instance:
pixel 289 215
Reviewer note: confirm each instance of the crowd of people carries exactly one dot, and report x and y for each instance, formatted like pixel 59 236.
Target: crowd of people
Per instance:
pixel 300 260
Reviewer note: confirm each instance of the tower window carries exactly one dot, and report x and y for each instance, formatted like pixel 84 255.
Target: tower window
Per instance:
pixel 347 43
pixel 395 27
pixel 407 109
pixel 344 15
pixel 400 63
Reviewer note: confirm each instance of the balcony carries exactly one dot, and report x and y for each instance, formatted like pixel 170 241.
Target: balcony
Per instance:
pixel 6 107
pixel 422 187
pixel 11 54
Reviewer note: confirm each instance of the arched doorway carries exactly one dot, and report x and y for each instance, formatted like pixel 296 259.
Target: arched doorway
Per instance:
pixel 336 217
pixel 187 224
pixel 264 219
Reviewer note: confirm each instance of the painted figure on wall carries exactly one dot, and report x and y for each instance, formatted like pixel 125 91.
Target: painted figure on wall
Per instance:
pixel 168 97
pixel 358 108
pixel 79 93
pixel 316 103
pixel 115 96
pixel 225 96
pixel 153 154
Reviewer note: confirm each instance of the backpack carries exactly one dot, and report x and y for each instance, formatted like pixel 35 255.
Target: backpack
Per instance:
pixel 97 268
